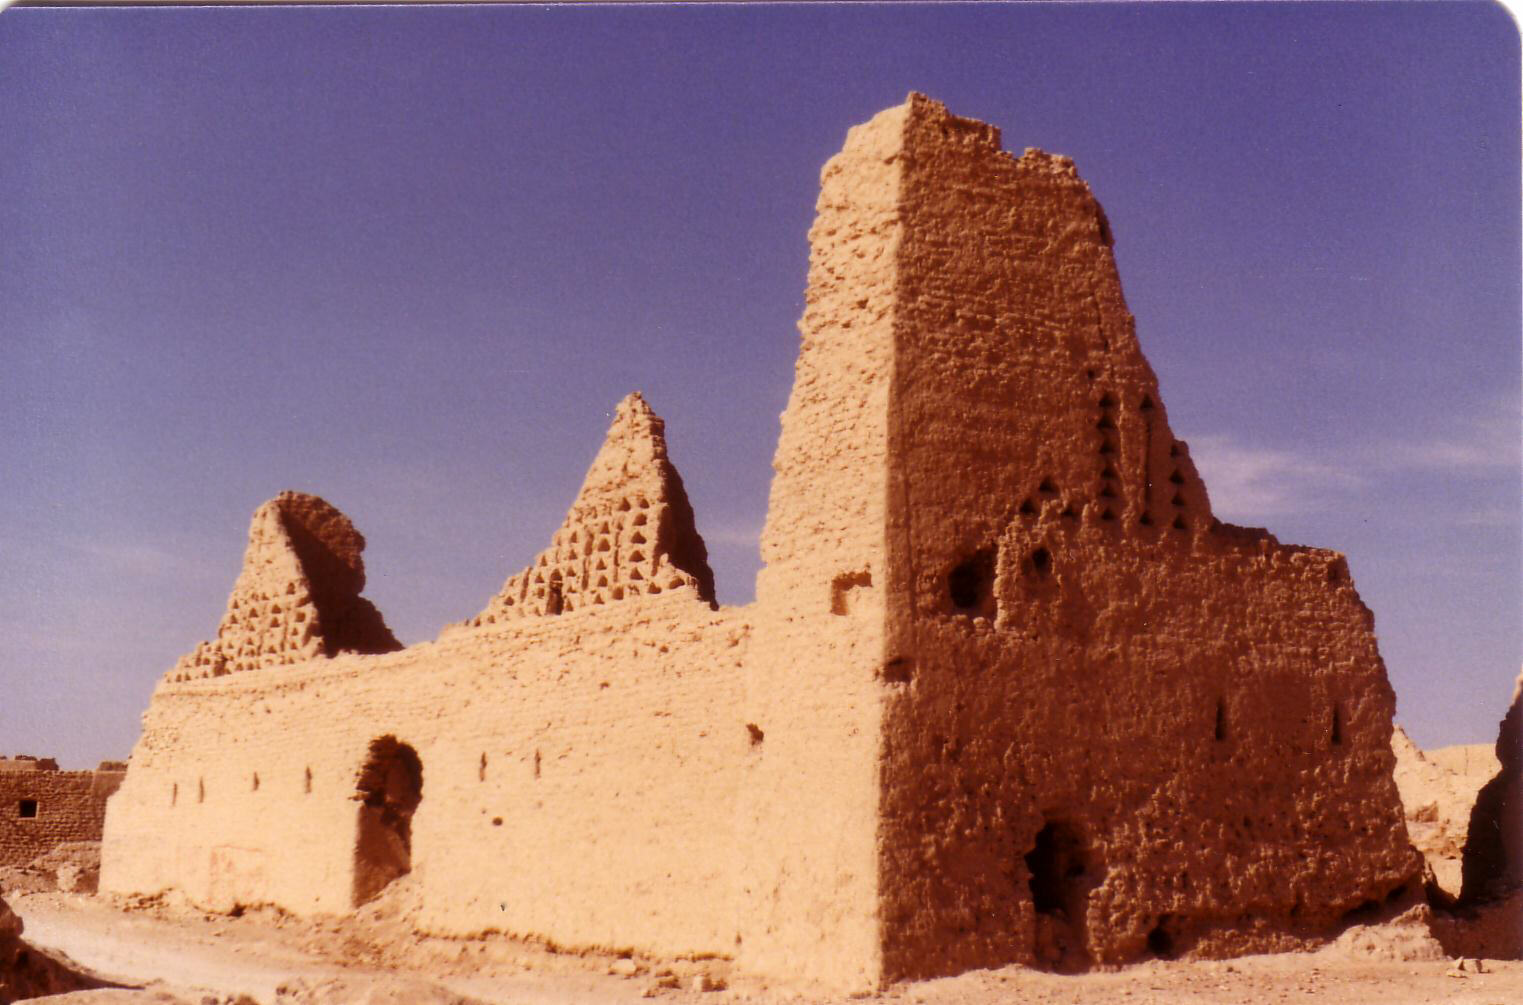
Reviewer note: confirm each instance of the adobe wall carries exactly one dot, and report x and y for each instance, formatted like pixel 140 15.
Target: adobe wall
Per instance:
pixel 1008 691
pixel 579 740
pixel 579 774
pixel 814 688
pixel 1199 712
pixel 60 806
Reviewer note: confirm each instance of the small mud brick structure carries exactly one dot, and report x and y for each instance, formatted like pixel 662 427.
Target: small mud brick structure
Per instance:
pixel 1008 691
pixel 42 807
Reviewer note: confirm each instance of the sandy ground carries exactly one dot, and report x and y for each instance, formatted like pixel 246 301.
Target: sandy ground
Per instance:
pixel 174 954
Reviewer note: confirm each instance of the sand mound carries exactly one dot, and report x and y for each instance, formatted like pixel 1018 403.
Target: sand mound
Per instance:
pixel 368 991
pixel 1405 938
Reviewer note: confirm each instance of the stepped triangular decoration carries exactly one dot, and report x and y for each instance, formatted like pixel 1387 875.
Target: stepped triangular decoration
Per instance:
pixel 630 531
pixel 298 596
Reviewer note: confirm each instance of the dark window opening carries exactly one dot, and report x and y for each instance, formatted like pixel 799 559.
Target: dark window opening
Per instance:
pixel 1146 520
pixel 1337 731
pixel 1048 487
pixel 1106 514
pixel 1109 472
pixel 554 603
pixel 1107 448
pixel 1106 401
pixel 1147 403
pixel 1041 562
pixel 1107 492
pixel 1221 720
pixel 26 809
pixel 1177 478
pixel 970 584
pixel 1105 423
pixel 1027 508
pixel 1179 523
pixel 1068 513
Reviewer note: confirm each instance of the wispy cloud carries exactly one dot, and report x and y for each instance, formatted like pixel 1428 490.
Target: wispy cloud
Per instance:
pixel 1249 482
pixel 1484 441
pixel 144 561
pixel 734 536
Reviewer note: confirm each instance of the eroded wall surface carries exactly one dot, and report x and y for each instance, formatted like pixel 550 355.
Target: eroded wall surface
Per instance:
pixel 1008 693
pixel 1124 728
pixel 42 807
pixel 814 692
pixel 579 763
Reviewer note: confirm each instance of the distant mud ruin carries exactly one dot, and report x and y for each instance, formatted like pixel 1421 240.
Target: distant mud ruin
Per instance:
pixel 42 808
pixel 1008 692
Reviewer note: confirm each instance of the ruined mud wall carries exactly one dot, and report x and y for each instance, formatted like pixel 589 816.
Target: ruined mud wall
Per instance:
pixel 568 771
pixel 814 689
pixel 578 779
pixel 1125 728
pixel 42 807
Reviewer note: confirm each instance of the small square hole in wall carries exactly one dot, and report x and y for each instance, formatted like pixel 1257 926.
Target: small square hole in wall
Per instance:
pixel 27 808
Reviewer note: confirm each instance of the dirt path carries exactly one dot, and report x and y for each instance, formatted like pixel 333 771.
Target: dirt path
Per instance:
pixel 189 955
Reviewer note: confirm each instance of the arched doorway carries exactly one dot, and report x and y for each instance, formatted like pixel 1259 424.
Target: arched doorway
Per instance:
pixel 389 788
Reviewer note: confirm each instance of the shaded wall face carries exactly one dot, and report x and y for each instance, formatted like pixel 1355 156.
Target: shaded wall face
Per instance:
pixel 1053 789
pixel 578 780
pixel 40 810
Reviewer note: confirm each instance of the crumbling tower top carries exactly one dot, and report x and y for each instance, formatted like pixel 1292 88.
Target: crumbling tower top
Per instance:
pixel 630 531
pixel 297 597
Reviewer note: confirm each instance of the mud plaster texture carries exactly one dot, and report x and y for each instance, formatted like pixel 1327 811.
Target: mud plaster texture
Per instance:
pixel 1008 692
pixel 42 807
pixel 1438 791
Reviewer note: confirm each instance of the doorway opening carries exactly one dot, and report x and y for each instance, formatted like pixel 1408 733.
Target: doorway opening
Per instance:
pixel 389 788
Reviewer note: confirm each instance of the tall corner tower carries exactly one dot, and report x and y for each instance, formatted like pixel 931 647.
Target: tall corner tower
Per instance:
pixel 1021 697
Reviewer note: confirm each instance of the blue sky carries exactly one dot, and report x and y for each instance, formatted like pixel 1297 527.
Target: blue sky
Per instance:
pixel 410 258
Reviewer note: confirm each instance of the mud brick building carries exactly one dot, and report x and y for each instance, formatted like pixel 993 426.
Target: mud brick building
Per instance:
pixel 42 807
pixel 1008 691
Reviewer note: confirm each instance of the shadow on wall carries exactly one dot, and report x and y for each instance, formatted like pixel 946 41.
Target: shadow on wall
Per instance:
pixel 389 788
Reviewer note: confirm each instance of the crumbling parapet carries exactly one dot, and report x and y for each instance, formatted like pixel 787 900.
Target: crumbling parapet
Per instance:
pixel 297 597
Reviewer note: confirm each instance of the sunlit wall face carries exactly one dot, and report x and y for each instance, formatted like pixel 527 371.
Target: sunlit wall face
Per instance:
pixel 410 259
